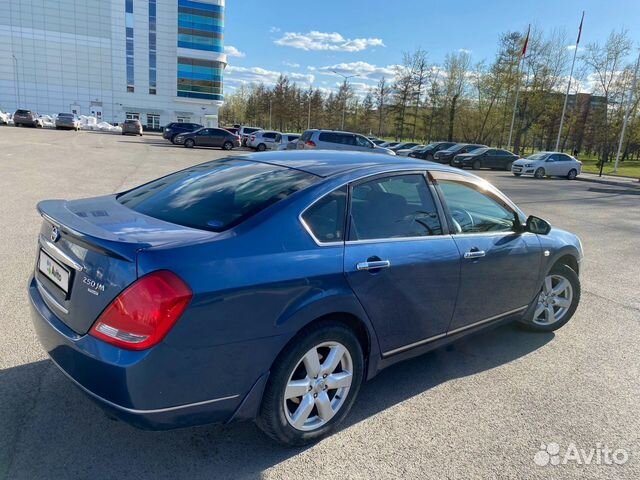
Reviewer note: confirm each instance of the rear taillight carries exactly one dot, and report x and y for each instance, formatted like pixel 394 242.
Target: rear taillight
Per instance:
pixel 253 137
pixel 310 143
pixel 142 315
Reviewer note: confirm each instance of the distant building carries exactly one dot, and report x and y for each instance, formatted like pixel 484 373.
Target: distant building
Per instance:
pixel 156 60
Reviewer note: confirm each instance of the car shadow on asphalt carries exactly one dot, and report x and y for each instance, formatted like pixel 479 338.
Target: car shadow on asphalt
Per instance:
pixel 58 432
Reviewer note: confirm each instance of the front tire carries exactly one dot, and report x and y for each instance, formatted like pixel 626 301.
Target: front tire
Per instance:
pixel 476 165
pixel 508 167
pixel 227 146
pixel 313 385
pixel 539 173
pixel 557 301
pixel 573 173
pixel 189 143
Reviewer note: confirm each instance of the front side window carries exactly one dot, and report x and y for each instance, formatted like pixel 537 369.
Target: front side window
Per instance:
pixel 472 210
pixel 216 195
pixel 326 218
pixel 393 207
pixel 363 142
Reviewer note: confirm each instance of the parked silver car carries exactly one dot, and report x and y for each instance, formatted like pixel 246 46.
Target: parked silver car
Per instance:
pixel 286 141
pixel 67 121
pixel 335 140
pixel 132 126
pixel 263 140
pixel 548 164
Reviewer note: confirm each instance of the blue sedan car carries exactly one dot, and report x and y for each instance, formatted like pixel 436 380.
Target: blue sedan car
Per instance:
pixel 270 286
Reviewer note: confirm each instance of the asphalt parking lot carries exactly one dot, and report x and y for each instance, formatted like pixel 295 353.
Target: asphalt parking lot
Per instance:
pixel 481 408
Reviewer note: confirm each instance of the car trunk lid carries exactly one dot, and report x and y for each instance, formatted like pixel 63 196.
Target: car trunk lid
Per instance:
pixel 87 253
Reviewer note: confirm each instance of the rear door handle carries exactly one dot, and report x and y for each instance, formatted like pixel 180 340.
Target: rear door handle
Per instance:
pixel 474 253
pixel 373 265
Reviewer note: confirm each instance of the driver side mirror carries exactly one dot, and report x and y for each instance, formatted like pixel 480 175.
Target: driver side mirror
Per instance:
pixel 537 225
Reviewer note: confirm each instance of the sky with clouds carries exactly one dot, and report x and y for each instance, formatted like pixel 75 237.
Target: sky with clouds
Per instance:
pixel 310 41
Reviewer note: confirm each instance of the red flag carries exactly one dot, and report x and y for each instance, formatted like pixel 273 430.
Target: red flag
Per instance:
pixel 526 42
pixel 580 29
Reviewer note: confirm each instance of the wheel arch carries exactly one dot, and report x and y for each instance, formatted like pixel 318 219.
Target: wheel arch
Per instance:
pixel 341 307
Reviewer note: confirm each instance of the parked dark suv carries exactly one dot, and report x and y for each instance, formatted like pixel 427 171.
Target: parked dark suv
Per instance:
pixel 26 118
pixel 171 130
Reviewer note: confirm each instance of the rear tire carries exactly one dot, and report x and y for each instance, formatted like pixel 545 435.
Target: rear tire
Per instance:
pixel 573 173
pixel 189 143
pixel 539 173
pixel 327 388
pixel 261 147
pixel 557 301
pixel 476 165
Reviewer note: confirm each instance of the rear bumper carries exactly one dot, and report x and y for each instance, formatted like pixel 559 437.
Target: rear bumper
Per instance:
pixel 132 385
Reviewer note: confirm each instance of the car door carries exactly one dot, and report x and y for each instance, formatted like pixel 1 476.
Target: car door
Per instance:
pixel 203 137
pixel 564 164
pixel 500 264
pixel 552 165
pixel 217 138
pixel 269 139
pixel 399 261
pixel 488 159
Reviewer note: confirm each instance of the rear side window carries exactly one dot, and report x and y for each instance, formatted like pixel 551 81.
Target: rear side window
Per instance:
pixel 398 206
pixel 328 137
pixel 306 135
pixel 326 217
pixel 216 195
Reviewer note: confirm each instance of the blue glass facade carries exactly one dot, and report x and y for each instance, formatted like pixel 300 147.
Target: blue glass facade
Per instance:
pixel 200 78
pixel 200 27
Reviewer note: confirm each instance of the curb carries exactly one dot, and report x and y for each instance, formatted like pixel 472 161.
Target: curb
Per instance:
pixel 628 184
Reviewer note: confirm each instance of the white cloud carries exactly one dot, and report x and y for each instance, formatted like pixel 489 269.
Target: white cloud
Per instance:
pixel 274 29
pixel 233 52
pixel 324 41
pixel 291 64
pixel 465 50
pixel 573 47
pixel 363 70
pixel 245 75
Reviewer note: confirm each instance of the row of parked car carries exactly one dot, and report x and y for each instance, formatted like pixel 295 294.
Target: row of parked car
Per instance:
pixel 462 155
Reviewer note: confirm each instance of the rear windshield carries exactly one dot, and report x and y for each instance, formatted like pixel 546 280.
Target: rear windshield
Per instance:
pixel 216 195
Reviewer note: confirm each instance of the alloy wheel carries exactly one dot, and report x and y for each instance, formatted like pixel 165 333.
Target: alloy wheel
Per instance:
pixel 554 300
pixel 318 386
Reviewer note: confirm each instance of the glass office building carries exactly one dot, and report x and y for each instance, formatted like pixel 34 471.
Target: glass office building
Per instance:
pixel 155 60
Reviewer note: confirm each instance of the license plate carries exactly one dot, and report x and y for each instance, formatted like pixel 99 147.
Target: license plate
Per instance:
pixel 517 169
pixel 54 271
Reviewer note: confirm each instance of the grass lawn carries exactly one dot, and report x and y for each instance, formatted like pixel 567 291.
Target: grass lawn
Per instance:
pixel 625 169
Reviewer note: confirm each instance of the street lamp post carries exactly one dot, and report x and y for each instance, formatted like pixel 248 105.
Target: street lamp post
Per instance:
pixel 346 84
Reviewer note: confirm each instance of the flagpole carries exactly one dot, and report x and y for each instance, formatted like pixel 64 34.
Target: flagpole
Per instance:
pixel 566 97
pixel 515 104
pixel 626 113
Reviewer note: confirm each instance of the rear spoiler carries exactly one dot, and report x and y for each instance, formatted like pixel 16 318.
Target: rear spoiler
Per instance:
pixel 87 234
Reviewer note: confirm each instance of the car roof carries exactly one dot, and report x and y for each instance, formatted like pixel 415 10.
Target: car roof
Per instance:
pixel 327 163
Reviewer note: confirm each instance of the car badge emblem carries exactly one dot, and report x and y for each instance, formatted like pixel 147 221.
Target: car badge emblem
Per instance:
pixel 55 234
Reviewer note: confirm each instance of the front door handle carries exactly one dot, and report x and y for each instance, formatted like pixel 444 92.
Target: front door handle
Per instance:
pixel 474 253
pixel 373 265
